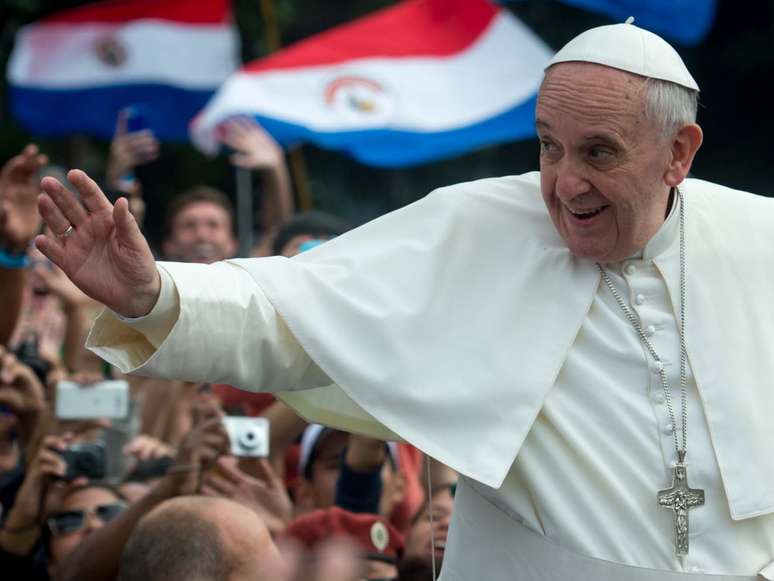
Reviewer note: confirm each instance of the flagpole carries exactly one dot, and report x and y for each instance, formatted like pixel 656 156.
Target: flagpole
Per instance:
pixel 245 214
pixel 295 155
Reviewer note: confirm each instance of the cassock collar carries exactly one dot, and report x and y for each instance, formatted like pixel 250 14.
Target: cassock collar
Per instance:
pixel 665 236
pixel 662 240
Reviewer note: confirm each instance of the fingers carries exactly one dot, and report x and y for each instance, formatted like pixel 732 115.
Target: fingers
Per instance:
pixel 215 485
pixel 51 249
pixel 70 207
pixel 127 229
pixel 50 211
pixel 92 196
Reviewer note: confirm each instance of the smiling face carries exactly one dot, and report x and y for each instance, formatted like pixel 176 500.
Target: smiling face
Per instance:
pixel 604 167
pixel 200 232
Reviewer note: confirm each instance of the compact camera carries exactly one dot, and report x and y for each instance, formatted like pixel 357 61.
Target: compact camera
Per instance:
pixel 249 436
pixel 105 399
pixel 85 459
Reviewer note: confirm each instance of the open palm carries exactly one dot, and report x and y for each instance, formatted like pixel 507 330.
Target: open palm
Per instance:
pixel 99 246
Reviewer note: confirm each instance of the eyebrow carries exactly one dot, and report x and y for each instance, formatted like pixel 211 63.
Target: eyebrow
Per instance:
pixel 539 123
pixel 605 138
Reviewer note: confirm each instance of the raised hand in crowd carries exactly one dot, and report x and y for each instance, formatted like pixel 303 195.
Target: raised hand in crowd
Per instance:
pixel 99 246
pixel 265 493
pixel 19 219
pixel 129 150
pixel 255 149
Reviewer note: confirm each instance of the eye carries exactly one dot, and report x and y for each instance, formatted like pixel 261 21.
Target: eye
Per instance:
pixel 598 153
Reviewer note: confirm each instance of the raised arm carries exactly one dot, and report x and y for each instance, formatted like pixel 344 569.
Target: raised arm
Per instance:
pixel 99 246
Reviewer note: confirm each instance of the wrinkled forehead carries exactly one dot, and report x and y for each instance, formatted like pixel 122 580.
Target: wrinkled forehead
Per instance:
pixel 589 94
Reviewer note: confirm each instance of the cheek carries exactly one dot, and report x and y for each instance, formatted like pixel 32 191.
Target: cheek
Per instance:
pixel 61 546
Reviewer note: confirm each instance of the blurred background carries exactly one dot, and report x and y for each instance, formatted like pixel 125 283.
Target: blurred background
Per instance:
pixel 732 59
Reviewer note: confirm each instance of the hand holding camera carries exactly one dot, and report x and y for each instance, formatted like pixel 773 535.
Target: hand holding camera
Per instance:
pixel 198 451
pixel 265 493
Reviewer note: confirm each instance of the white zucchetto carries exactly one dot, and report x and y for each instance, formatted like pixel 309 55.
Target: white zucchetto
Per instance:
pixel 629 48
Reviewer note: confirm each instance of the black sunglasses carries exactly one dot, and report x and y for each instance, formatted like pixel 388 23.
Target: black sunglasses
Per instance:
pixel 70 521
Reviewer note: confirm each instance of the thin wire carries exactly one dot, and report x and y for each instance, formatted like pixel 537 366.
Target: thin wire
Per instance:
pixel 430 512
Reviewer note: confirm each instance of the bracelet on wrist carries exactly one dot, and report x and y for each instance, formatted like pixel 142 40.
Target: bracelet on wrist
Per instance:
pixel 12 260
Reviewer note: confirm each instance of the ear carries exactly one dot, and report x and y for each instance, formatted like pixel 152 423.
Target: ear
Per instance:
pixel 685 144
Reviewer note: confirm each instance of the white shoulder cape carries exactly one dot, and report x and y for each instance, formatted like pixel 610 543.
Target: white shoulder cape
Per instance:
pixel 448 321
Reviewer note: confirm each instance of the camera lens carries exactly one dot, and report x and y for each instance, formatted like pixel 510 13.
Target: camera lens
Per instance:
pixel 248 439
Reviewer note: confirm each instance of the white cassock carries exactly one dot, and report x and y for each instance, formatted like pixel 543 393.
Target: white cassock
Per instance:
pixel 463 325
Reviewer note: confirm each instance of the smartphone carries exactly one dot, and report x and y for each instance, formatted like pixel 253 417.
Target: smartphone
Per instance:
pixel 249 436
pixel 104 399
pixel 136 118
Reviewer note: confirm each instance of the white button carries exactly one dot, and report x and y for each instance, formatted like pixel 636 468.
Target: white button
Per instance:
pixel 629 269
pixel 639 299
pixel 668 429
pixel 658 365
pixel 658 397
pixel 650 330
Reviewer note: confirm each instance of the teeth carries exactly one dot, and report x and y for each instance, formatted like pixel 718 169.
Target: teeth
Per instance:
pixel 588 212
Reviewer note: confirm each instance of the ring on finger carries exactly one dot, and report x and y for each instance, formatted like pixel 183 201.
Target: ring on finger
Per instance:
pixel 68 231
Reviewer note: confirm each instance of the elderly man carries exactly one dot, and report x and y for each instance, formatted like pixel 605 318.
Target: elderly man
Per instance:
pixel 590 363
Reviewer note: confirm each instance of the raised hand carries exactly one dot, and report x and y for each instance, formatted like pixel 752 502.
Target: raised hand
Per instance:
pixel 19 219
pixel 266 494
pixel 130 149
pixel 255 148
pixel 99 246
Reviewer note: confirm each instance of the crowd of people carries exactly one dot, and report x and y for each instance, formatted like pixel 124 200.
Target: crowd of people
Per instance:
pixel 163 491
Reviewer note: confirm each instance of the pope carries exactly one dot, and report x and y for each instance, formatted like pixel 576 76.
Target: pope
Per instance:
pixel 588 346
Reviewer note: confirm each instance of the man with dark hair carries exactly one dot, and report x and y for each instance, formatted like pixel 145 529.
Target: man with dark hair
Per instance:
pixel 194 538
pixel 305 231
pixel 200 226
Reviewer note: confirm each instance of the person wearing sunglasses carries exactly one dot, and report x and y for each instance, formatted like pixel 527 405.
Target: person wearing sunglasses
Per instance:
pixel 81 512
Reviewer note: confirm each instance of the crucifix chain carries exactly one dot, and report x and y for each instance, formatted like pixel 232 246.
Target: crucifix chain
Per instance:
pixel 680 497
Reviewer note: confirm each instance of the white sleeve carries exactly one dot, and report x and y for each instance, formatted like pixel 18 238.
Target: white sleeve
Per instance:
pixel 210 323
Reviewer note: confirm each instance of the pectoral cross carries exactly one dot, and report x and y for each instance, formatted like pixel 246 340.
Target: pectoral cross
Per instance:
pixel 680 498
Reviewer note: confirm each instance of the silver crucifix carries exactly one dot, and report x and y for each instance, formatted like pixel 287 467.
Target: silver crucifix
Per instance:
pixel 680 498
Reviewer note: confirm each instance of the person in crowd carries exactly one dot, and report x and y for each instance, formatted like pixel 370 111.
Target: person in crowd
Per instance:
pixel 425 543
pixel 195 537
pixel 19 222
pixel 546 335
pixel 379 542
pixel 356 473
pixel 81 511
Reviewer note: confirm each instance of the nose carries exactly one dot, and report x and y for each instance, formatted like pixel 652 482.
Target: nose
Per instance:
pixel 93 522
pixel 571 180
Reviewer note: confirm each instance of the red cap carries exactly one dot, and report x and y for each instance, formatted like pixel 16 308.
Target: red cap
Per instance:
pixel 375 535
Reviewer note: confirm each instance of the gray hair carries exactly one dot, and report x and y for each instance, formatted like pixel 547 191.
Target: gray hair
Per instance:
pixel 669 105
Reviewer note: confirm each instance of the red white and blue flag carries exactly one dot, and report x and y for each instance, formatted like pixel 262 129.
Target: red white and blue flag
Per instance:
pixel 419 81
pixel 74 70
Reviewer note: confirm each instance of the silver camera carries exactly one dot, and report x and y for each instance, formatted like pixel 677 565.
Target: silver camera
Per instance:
pixel 249 436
